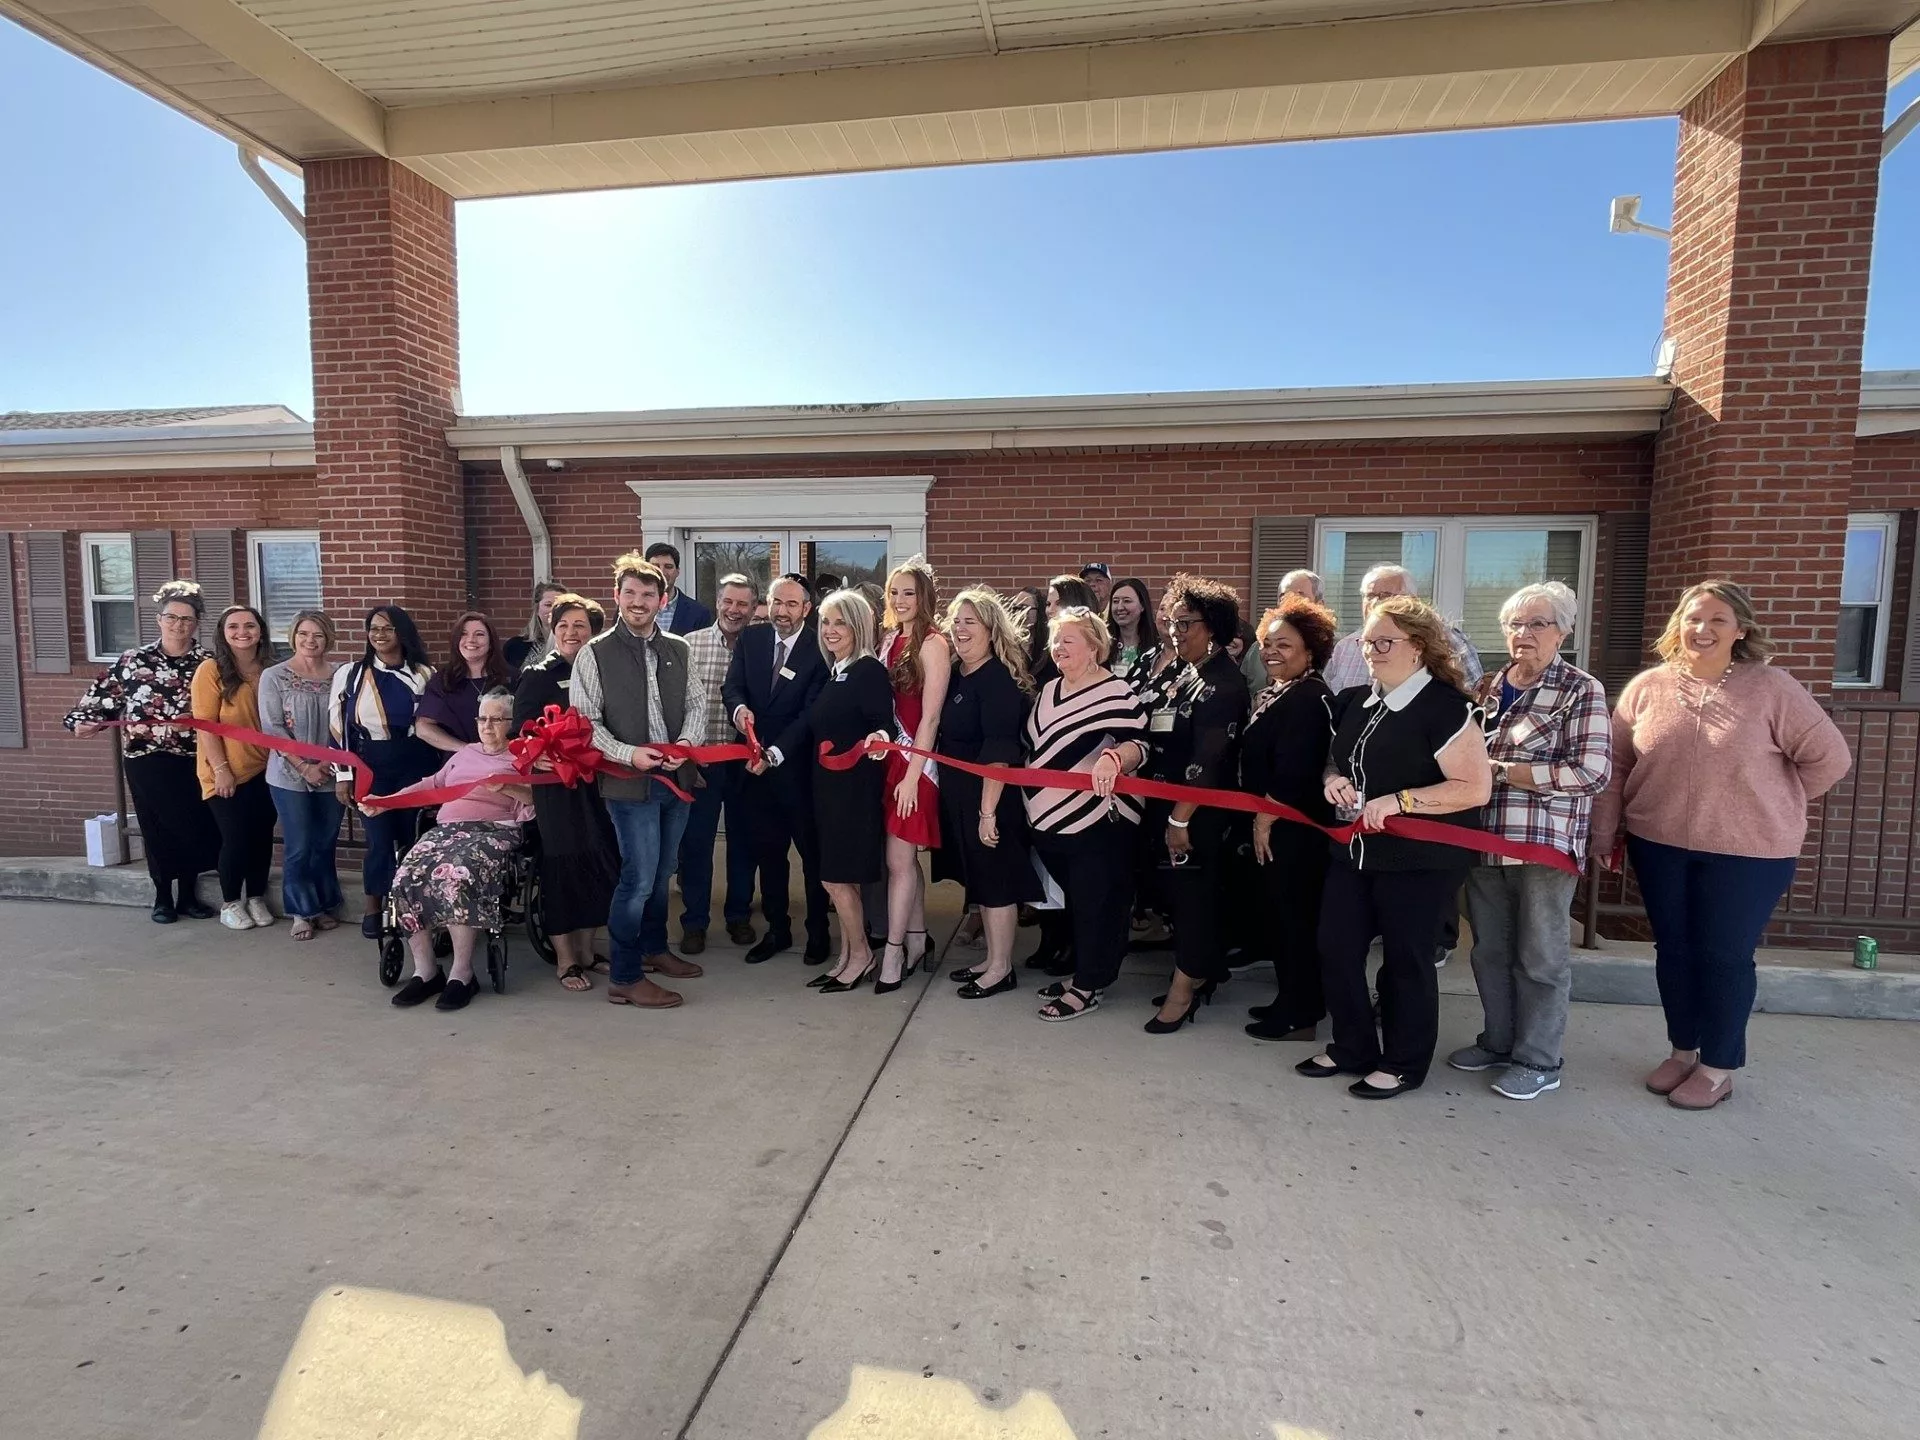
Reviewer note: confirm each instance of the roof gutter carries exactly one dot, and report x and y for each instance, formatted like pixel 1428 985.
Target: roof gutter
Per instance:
pixel 530 512
pixel 250 162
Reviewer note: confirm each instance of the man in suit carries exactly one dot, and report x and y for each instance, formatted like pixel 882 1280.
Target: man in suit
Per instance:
pixel 680 613
pixel 775 673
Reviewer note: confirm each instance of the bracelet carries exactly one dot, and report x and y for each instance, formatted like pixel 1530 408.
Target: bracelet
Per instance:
pixel 988 815
pixel 1178 824
pixel 1406 801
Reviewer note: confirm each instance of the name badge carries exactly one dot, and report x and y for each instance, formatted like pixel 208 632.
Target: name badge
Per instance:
pixel 785 673
pixel 1161 723
pixel 839 677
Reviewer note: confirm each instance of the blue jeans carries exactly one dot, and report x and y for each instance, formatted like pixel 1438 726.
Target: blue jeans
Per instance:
pixel 1708 912
pixel 649 831
pixel 721 794
pixel 309 828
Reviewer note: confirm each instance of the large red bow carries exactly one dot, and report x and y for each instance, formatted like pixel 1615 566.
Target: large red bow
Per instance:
pixel 563 737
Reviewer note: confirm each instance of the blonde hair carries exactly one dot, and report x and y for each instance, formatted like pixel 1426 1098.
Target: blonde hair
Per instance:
pixel 1754 645
pixel 1006 640
pixel 1091 625
pixel 1421 624
pixel 315 617
pixel 906 671
pixel 851 608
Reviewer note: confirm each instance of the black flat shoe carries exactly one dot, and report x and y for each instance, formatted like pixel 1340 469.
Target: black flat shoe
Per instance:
pixel 1314 1070
pixel 1269 1030
pixel 1259 1012
pixel 1065 965
pixel 972 991
pixel 163 915
pixel 818 952
pixel 457 994
pixel 966 973
pixel 194 910
pixel 1366 1091
pixel 416 989
pixel 769 946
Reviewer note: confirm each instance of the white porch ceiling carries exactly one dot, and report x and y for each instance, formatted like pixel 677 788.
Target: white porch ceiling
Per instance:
pixel 497 97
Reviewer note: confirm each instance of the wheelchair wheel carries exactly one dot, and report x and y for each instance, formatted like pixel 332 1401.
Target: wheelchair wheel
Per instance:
pixel 536 920
pixel 393 960
pixel 497 963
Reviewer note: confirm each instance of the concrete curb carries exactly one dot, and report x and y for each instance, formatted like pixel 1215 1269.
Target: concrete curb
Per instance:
pixel 64 878
pixel 1784 989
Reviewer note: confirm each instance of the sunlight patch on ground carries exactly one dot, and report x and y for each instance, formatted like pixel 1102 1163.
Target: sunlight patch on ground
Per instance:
pixel 898 1405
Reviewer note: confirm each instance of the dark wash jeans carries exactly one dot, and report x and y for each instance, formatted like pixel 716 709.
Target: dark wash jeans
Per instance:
pixel 1708 912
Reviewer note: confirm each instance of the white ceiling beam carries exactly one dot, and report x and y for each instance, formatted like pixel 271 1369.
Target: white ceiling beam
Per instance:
pixel 1466 43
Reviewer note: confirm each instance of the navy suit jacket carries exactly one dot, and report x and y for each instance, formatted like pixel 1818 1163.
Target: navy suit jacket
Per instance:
pixel 779 717
pixel 690 615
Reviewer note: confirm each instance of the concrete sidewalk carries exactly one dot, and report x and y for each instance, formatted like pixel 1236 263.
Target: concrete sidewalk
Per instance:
pixel 712 1222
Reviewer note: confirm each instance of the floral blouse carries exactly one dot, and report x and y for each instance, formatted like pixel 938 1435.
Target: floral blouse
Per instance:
pixel 148 687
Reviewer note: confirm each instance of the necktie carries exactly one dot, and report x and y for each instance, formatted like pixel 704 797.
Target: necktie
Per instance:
pixel 779 662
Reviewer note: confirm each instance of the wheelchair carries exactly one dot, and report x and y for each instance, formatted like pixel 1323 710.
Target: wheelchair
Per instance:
pixel 519 905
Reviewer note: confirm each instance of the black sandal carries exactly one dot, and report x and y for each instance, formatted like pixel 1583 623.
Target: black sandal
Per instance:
pixel 1058 1007
pixel 574 972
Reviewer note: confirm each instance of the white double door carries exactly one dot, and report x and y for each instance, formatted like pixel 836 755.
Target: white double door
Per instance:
pixel 854 556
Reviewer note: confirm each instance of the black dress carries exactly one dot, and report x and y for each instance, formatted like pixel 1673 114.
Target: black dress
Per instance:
pixel 847 804
pixel 983 720
pixel 579 853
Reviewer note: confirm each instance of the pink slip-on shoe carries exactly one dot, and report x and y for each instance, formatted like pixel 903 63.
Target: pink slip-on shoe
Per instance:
pixel 1699 1091
pixel 1668 1074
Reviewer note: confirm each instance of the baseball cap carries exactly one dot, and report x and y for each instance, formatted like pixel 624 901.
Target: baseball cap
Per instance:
pixel 1095 567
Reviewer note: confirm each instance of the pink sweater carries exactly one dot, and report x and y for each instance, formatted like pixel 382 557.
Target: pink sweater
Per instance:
pixel 1732 776
pixel 472 762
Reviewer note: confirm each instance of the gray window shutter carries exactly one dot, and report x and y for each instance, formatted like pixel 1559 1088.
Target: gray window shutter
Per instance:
pixel 1280 544
pixel 213 568
pixel 47 602
pixel 13 720
pixel 1623 537
pixel 1910 652
pixel 152 568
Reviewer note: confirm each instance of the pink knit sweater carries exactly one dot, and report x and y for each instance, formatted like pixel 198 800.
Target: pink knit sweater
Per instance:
pixel 1731 775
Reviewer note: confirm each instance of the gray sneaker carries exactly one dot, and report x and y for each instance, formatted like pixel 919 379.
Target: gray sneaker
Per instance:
pixel 1523 1082
pixel 1473 1057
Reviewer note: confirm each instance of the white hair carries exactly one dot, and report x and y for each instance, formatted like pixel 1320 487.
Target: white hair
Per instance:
pixel 499 695
pixel 1562 602
pixel 1319 586
pixel 1390 572
pixel 850 607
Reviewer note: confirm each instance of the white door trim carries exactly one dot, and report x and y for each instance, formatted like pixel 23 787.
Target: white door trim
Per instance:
pixel 670 509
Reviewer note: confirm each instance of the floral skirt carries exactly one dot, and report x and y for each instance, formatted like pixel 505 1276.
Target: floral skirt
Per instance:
pixel 454 874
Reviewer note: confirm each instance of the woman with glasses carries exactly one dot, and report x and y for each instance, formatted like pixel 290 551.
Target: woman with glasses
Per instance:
pixel 370 711
pixel 293 704
pixel 1407 743
pixel 1283 756
pixel 1548 743
pixel 233 774
pixel 1196 741
pixel 449 714
pixel 149 688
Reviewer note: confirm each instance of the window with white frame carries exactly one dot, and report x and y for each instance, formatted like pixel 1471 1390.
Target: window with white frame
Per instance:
pixel 113 614
pixel 283 577
pixel 1866 600
pixel 1466 567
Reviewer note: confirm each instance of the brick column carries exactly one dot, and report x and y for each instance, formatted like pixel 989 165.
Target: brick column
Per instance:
pixel 386 360
pixel 1774 195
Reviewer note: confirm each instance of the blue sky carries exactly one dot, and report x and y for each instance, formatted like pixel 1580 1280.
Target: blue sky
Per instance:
pixel 144 269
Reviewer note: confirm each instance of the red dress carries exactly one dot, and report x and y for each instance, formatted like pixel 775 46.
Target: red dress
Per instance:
pixel 921 828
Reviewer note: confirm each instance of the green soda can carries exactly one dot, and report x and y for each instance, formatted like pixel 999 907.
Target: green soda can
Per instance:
pixel 1866 953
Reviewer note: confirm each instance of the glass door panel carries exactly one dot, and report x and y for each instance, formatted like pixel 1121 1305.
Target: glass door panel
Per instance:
pixel 759 555
pixel 855 559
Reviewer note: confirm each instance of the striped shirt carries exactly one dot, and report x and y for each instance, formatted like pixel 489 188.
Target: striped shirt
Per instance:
pixel 1068 732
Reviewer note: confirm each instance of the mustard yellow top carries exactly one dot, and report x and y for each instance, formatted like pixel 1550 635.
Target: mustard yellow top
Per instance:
pixel 243 708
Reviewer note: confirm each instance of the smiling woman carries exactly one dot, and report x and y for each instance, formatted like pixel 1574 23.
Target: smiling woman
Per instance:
pixel 233 774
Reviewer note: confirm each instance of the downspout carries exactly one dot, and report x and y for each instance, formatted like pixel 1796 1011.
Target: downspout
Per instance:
pixel 250 162
pixel 529 512
pixel 1900 129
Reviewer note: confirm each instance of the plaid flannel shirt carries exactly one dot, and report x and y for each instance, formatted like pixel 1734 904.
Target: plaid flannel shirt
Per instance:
pixel 1559 729
pixel 709 654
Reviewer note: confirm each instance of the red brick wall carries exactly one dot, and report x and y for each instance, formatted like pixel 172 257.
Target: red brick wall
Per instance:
pixel 57 781
pixel 1018 518
pixel 384 322
pixel 1774 198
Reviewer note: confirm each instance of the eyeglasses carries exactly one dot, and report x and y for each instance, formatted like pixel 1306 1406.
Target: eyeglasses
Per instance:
pixel 494 720
pixel 380 630
pixel 1527 627
pixel 1383 644
pixel 1182 625
pixel 171 617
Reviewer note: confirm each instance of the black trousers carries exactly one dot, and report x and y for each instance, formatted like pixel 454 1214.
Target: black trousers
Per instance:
pixel 780 819
pixel 1287 892
pixel 246 819
pixel 1197 894
pixel 1404 909
pixel 1095 870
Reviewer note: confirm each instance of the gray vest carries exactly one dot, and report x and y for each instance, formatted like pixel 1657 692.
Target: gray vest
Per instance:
pixel 623 693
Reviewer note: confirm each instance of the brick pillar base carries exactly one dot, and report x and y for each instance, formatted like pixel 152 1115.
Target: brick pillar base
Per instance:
pixel 386 362
pixel 1774 196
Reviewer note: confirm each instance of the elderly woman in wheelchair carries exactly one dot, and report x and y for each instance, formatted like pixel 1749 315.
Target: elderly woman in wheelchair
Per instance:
pixel 455 874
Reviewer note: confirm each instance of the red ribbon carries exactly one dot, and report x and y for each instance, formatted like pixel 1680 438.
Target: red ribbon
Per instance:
pixel 1408 827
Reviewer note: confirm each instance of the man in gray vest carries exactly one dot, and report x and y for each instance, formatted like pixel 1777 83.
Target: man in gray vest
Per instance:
pixel 636 684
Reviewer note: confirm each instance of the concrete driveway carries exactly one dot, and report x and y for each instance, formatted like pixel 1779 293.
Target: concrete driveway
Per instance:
pixel 713 1222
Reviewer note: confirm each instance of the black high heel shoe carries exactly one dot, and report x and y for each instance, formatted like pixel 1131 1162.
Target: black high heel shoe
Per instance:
pixel 1202 994
pixel 887 987
pixel 835 987
pixel 972 990
pixel 924 960
pixel 1157 1026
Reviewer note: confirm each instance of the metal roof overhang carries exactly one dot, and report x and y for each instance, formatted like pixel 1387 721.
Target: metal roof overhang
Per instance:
pixel 507 97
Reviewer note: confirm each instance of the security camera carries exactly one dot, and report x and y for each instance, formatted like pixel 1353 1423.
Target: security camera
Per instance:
pixel 556 464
